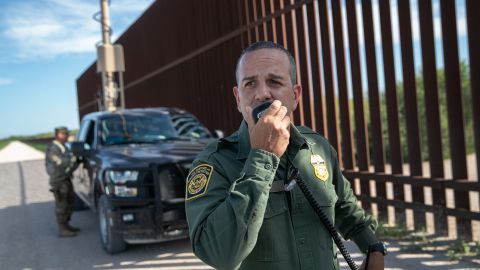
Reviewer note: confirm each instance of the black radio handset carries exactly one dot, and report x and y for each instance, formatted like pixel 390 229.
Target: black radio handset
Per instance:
pixel 259 110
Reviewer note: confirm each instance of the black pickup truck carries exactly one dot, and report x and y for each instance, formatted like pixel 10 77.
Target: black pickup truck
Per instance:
pixel 133 170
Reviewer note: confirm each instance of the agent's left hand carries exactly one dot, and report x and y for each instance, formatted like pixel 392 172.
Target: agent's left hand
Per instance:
pixel 375 261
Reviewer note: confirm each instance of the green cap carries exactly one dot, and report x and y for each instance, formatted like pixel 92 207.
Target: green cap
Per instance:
pixel 61 129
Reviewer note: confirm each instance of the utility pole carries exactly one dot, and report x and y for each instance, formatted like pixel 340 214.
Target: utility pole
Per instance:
pixel 110 60
pixel 105 22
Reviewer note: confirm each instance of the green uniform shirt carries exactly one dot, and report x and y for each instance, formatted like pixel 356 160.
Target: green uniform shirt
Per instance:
pixel 237 222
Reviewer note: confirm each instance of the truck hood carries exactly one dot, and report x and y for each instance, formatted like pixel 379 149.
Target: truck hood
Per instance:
pixel 141 155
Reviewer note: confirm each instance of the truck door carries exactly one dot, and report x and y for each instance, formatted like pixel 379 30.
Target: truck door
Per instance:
pixel 82 177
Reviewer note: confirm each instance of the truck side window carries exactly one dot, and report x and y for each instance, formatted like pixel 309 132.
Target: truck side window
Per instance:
pixel 90 134
pixel 82 133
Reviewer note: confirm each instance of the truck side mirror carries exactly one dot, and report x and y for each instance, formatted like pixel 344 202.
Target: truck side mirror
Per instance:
pixel 80 149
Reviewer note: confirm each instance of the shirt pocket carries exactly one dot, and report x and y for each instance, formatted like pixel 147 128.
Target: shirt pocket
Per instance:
pixel 326 203
pixel 317 232
pixel 276 205
pixel 271 239
pixel 323 191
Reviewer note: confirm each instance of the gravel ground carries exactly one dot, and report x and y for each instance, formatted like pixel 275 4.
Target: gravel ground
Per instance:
pixel 29 240
pixel 18 151
pixel 29 237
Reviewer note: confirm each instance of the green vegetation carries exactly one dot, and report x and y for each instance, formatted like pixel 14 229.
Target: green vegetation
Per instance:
pixel 400 232
pixel 39 146
pixel 443 112
pixel 385 231
pixel 422 119
pixel 419 241
pixel 4 143
pixel 460 249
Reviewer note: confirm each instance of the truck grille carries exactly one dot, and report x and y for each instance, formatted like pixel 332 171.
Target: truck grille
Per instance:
pixel 172 183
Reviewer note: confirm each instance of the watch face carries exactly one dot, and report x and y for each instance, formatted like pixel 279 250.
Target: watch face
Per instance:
pixel 379 247
pixel 385 252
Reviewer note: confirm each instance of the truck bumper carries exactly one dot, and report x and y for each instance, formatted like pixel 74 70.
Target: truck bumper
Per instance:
pixel 146 225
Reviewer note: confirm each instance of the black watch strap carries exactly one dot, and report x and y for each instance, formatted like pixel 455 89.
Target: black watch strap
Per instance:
pixel 378 247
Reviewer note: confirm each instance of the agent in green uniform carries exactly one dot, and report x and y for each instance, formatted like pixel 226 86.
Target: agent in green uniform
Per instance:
pixel 60 164
pixel 239 215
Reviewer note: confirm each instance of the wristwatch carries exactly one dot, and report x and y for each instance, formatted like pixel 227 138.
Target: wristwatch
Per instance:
pixel 380 247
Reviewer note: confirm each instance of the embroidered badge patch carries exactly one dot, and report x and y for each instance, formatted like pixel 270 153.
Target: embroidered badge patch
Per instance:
pixel 197 181
pixel 320 167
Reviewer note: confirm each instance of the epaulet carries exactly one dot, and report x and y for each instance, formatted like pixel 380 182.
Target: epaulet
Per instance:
pixel 211 148
pixel 214 145
pixel 306 130
pixel 232 138
pixel 309 133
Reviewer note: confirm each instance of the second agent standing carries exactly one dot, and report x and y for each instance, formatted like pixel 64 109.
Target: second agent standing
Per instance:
pixel 60 164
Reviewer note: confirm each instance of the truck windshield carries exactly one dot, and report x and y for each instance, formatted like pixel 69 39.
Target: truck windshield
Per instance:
pixel 126 129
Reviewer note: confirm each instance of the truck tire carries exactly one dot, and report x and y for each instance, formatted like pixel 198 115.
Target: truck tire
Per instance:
pixel 111 242
pixel 78 204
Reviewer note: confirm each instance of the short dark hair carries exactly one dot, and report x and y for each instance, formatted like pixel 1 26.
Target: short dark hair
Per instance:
pixel 61 129
pixel 269 45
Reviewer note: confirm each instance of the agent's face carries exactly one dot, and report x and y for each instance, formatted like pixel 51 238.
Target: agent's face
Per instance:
pixel 62 137
pixel 264 75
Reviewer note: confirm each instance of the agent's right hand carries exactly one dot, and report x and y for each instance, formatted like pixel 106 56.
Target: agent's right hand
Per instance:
pixel 271 133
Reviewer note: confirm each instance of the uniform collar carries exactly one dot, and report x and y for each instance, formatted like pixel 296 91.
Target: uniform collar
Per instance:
pixel 60 145
pixel 297 141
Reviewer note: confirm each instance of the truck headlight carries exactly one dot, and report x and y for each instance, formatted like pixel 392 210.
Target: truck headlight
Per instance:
pixel 186 165
pixel 120 177
pixel 123 191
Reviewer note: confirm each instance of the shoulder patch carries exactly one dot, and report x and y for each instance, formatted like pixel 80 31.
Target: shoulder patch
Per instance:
pixel 197 181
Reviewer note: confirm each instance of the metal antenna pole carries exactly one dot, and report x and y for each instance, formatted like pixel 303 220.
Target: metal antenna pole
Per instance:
pixel 109 89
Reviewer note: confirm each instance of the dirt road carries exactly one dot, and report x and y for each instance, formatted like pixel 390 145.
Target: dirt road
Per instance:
pixel 28 237
pixel 29 240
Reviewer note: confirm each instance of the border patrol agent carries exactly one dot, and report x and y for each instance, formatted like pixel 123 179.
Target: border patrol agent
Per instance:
pixel 60 164
pixel 239 214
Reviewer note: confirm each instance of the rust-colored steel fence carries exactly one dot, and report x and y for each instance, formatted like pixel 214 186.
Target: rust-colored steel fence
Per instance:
pixel 404 124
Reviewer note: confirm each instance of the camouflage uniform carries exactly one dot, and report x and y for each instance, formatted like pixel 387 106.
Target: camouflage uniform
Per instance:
pixel 60 164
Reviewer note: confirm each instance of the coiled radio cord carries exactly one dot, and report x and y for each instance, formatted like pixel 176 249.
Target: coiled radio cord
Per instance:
pixel 295 176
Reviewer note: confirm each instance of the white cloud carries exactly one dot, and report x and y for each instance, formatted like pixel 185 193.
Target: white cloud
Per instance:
pixel 48 28
pixel 6 81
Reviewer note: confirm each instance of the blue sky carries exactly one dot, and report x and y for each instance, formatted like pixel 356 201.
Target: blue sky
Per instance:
pixel 44 47
pixel 46 44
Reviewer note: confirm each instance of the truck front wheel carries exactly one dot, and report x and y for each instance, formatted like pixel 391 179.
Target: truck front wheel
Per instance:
pixel 112 242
